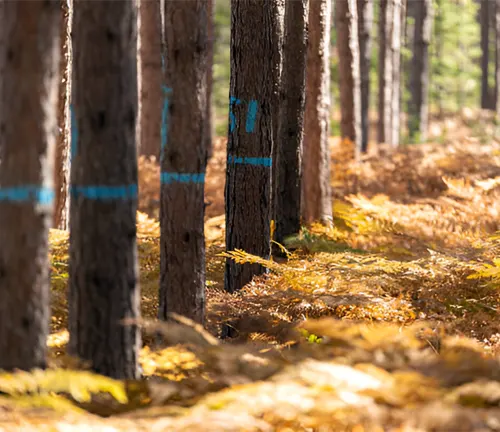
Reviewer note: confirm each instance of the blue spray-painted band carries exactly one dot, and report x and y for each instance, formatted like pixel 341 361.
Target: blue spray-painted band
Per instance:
pixel 39 194
pixel 267 162
pixel 164 120
pixel 232 100
pixel 251 115
pixel 169 178
pixel 105 192
pixel 74 132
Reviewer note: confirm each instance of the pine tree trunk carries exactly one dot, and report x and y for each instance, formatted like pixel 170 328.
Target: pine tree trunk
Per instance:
pixel 29 81
pixel 248 174
pixel 397 33
pixel 346 18
pixel 182 279
pixel 485 53
pixel 150 77
pixel 291 121
pixel 385 70
pixel 62 166
pixel 103 285
pixel 497 58
pixel 316 190
pixel 365 23
pixel 209 133
pixel 419 109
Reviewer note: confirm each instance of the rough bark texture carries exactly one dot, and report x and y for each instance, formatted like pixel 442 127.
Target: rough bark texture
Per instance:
pixel 29 80
pixel 209 131
pixel 103 285
pixel 182 280
pixel 497 62
pixel 62 166
pixel 484 19
pixel 248 175
pixel 419 108
pixel 316 190
pixel 365 24
pixel 150 77
pixel 346 19
pixel 291 122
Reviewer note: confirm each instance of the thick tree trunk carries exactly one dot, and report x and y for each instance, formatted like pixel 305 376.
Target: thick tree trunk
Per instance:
pixel 209 132
pixel 419 108
pixel 62 166
pixel 346 18
pixel 103 286
pixel 248 175
pixel 150 77
pixel 485 52
pixel 29 81
pixel 291 122
pixel 365 23
pixel 316 190
pixel 182 279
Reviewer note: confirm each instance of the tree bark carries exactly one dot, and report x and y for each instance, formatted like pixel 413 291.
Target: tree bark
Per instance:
pixel 248 174
pixel 209 133
pixel 62 166
pixel 182 279
pixel 150 77
pixel 485 52
pixel 385 70
pixel 346 18
pixel 497 58
pixel 103 285
pixel 29 81
pixel 365 23
pixel 316 190
pixel 291 121
pixel 419 108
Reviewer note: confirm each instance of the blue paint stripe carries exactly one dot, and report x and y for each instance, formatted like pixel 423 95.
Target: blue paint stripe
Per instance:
pixel 41 195
pixel 169 178
pixel 251 115
pixel 267 162
pixel 164 121
pixel 105 192
pixel 74 132
pixel 232 100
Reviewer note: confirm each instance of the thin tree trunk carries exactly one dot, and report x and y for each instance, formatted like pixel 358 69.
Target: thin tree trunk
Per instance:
pixel 248 175
pixel 316 189
pixel 485 53
pixel 150 77
pixel 291 121
pixel 365 23
pixel 62 166
pixel 397 33
pixel 182 242
pixel 497 58
pixel 29 81
pixel 103 285
pixel 419 104
pixel 349 72
pixel 209 132
pixel 385 70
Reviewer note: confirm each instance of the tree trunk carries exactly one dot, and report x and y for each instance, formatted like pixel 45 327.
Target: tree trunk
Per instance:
pixel 346 18
pixel 29 80
pixel 316 189
pixel 182 279
pixel 497 62
pixel 150 77
pixel 365 23
pixel 419 108
pixel 209 132
pixel 384 69
pixel 103 285
pixel 397 33
pixel 485 53
pixel 248 174
pixel 62 166
pixel 291 121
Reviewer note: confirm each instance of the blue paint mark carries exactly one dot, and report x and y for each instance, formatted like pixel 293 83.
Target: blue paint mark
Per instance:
pixel 251 114
pixel 163 63
pixel 74 132
pixel 232 100
pixel 105 192
pixel 164 122
pixel 41 195
pixel 169 178
pixel 259 161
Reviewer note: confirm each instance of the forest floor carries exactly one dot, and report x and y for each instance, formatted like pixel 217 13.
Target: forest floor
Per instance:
pixel 387 321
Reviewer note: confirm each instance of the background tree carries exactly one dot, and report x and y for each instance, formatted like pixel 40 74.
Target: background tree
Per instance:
pixel 209 131
pixel 365 23
pixel 248 174
pixel 484 20
pixel 291 121
pixel 316 190
pixel 346 18
pixel 149 77
pixel 497 57
pixel 103 285
pixel 182 280
pixel 419 104
pixel 29 80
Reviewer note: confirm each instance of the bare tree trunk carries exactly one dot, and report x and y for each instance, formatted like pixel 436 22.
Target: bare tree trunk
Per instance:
pixel 149 77
pixel 291 122
pixel 349 69
pixel 497 58
pixel 397 32
pixel 485 53
pixel 29 81
pixel 419 108
pixel 182 242
pixel 209 133
pixel 316 189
